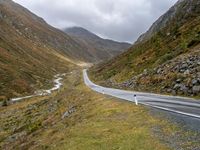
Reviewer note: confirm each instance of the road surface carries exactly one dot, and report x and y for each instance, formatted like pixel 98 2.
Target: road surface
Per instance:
pixel 179 105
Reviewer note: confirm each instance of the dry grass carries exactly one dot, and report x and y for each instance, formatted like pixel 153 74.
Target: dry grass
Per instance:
pixel 99 122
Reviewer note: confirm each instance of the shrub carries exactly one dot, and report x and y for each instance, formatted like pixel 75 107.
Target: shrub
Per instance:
pixel 165 58
pixel 5 102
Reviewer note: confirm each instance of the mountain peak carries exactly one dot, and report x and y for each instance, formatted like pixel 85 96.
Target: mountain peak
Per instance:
pixel 98 46
pixel 80 32
pixel 75 28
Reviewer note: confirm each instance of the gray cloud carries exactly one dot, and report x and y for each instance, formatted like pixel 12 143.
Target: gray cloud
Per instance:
pixel 122 20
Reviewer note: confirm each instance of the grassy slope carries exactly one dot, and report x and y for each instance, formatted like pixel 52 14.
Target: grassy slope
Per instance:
pixel 100 49
pixel 159 49
pixel 99 122
pixel 23 73
pixel 29 51
pixel 172 41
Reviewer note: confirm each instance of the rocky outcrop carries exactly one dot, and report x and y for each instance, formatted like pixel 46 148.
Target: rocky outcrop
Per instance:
pixel 186 7
pixel 179 76
pixel 163 60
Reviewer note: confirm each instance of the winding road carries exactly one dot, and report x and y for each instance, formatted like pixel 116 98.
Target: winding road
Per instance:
pixel 179 105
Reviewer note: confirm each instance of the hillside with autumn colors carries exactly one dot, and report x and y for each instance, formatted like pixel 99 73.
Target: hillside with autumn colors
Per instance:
pixel 165 59
pixel 31 51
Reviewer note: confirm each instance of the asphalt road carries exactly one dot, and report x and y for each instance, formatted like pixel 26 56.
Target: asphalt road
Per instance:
pixel 178 105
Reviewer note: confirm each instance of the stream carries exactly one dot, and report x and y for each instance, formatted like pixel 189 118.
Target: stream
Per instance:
pixel 57 85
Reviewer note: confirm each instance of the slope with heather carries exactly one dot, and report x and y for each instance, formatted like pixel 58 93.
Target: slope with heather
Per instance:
pixel 30 51
pixel 99 48
pixel 172 42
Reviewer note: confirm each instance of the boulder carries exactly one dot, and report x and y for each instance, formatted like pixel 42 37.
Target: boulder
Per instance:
pixel 187 72
pixel 180 87
pixel 184 89
pixel 194 82
pixel 178 81
pixel 177 86
pixel 196 89
pixel 173 92
pixel 159 71
pixel 184 66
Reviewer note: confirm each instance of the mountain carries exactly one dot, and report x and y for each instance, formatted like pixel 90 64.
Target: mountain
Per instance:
pixel 165 59
pixel 176 16
pixel 31 51
pixel 100 49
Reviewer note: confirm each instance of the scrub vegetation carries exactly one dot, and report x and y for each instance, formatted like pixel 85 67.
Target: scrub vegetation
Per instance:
pixel 172 50
pixel 96 122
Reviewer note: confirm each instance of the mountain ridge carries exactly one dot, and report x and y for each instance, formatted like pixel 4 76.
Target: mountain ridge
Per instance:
pixel 32 51
pixel 98 47
pixel 171 42
pixel 168 17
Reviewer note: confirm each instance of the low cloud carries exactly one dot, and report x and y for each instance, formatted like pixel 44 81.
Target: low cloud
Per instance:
pixel 122 20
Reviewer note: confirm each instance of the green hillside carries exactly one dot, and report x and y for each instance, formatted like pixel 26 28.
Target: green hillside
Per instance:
pixel 173 41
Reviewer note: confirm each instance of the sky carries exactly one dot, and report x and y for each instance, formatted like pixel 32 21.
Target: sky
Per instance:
pixel 120 20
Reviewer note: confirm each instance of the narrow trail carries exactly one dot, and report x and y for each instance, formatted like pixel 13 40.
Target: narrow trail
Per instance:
pixel 57 85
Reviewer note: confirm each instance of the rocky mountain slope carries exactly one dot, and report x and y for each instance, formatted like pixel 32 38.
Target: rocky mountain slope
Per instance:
pixel 100 49
pixel 164 60
pixel 174 14
pixel 30 51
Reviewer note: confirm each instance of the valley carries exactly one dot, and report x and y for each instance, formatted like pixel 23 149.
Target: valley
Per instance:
pixel 93 121
pixel 143 96
pixel 165 59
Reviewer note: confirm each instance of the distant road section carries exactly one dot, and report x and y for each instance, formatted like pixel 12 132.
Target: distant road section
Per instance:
pixel 179 105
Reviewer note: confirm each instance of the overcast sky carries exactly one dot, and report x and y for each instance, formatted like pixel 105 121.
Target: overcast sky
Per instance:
pixel 121 20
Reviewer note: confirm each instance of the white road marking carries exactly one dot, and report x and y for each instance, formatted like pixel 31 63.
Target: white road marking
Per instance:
pixel 126 95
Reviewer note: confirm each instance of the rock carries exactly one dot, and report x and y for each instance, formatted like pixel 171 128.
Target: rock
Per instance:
pixel 187 72
pixel 196 89
pixel 178 80
pixel 67 113
pixel 145 72
pixel 188 62
pixel 173 92
pixel 169 90
pixel 177 86
pixel 159 71
pixel 184 66
pixel 16 136
pixel 180 87
pixel 194 82
pixel 198 80
pixel 184 89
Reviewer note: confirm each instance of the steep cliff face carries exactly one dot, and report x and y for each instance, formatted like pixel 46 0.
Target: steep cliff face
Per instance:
pixel 174 35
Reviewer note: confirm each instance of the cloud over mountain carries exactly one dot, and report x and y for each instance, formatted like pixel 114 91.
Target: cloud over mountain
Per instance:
pixel 122 20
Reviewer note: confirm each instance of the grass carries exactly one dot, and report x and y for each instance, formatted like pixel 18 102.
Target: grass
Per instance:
pixel 99 122
pixel 113 125
pixel 150 54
